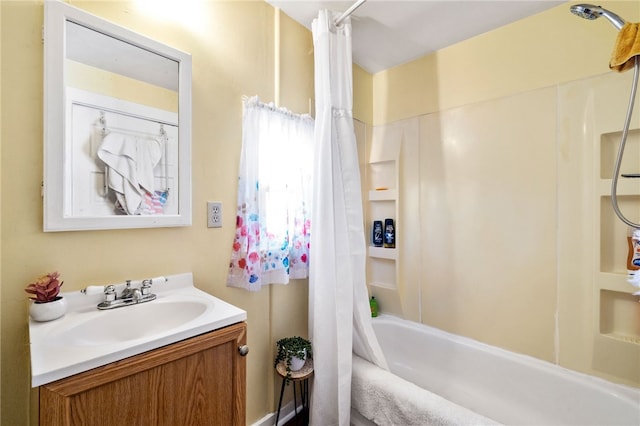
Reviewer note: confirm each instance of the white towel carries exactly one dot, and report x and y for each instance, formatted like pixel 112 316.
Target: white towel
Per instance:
pixel 131 161
pixel 389 400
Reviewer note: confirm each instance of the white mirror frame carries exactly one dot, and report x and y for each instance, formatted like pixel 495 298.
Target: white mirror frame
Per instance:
pixel 55 164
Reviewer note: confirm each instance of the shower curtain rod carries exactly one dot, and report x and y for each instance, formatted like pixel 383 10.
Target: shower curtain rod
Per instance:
pixel 349 11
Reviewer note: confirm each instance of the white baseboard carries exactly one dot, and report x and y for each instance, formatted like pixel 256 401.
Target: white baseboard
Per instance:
pixel 286 414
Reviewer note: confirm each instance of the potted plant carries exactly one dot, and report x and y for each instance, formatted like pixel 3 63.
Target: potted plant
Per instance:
pixel 293 352
pixel 46 303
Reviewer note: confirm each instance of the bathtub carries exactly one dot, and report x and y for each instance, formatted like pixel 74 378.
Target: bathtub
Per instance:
pixel 467 382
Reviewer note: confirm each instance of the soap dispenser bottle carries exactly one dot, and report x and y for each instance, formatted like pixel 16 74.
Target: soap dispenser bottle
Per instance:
pixel 633 254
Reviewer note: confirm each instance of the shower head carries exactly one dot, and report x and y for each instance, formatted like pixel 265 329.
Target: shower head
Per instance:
pixel 589 11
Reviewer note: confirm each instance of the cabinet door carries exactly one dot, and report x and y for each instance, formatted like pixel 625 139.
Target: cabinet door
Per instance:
pixel 199 381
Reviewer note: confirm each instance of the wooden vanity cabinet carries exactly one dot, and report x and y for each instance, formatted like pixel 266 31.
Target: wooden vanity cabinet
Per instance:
pixel 198 381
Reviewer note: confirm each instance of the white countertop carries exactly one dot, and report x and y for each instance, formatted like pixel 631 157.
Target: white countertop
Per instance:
pixel 56 354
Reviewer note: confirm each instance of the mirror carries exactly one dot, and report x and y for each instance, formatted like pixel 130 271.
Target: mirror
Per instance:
pixel 117 126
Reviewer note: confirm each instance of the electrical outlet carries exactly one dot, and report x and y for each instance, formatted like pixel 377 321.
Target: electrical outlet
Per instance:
pixel 214 214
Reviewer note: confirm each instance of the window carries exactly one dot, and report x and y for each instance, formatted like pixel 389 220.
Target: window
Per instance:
pixel 271 243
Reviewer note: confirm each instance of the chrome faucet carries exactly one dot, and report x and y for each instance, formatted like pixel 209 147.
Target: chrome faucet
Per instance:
pixel 136 294
pixel 129 296
pixel 128 291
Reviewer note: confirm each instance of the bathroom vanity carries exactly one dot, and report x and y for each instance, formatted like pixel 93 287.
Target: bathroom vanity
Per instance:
pixel 196 381
pixel 176 360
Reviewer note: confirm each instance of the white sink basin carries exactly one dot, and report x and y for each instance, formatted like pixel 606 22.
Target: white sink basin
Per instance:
pixel 86 337
pixel 132 322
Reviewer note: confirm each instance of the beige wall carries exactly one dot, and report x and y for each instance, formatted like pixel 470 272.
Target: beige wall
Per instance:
pixel 540 51
pixel 96 80
pixel 511 231
pixel 233 55
pixel 362 95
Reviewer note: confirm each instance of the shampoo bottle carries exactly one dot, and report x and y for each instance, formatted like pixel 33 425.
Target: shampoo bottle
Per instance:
pixel 377 233
pixel 373 303
pixel 389 234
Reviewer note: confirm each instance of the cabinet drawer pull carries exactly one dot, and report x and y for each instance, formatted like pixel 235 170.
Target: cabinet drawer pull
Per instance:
pixel 244 350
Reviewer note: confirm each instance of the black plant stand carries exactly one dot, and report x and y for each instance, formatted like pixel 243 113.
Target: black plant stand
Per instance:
pixel 301 378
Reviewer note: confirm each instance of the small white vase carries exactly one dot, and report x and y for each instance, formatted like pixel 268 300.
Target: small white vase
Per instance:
pixel 298 363
pixel 48 311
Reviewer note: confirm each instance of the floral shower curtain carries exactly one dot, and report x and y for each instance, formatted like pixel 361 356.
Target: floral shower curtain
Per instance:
pixel 271 243
pixel 339 314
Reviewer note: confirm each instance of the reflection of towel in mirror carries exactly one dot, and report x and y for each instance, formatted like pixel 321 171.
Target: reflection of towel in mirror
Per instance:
pixel 627 47
pixel 131 160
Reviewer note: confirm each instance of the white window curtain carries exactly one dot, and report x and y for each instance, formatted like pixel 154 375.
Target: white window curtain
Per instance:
pixel 271 243
pixel 339 313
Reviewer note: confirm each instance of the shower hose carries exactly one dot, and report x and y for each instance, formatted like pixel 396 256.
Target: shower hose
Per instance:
pixel 623 141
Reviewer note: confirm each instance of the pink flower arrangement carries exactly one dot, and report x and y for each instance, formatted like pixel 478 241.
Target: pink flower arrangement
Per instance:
pixel 46 288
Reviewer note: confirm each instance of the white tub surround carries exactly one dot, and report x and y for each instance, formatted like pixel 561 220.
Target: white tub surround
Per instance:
pixel 86 337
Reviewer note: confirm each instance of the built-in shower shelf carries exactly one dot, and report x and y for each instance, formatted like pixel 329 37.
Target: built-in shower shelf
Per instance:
pixel 383 184
pixel 615 282
pixel 634 340
pixel 383 253
pixel 614 338
pixel 384 285
pixel 625 187
pixel 383 195
pixel 618 309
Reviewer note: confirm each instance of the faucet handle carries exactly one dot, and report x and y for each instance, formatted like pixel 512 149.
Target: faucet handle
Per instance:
pixel 146 287
pixel 109 293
